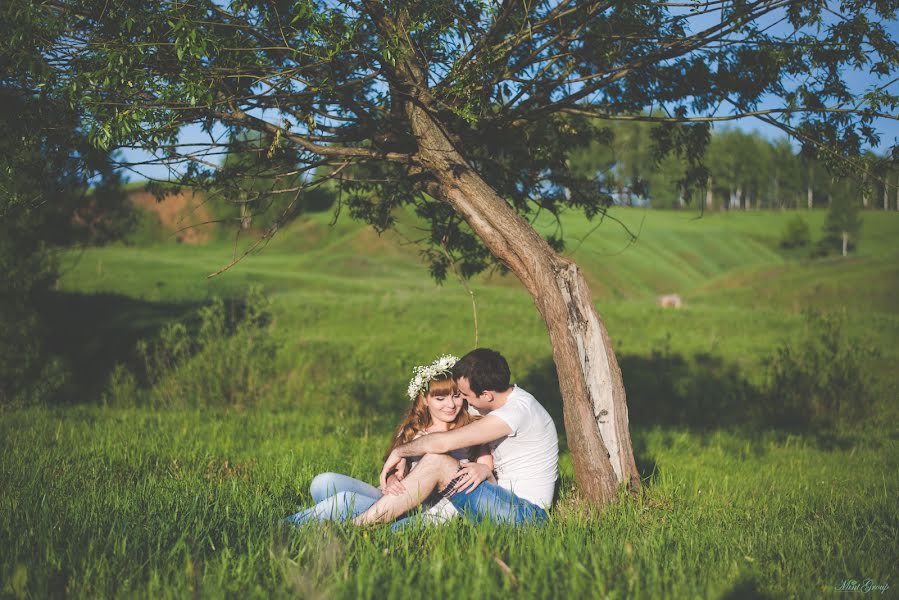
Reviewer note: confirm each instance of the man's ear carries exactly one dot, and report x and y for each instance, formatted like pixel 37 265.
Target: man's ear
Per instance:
pixel 489 395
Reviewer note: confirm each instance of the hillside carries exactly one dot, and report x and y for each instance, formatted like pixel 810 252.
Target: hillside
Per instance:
pixel 346 293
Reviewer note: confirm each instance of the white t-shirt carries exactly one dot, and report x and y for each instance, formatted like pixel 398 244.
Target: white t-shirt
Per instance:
pixel 527 460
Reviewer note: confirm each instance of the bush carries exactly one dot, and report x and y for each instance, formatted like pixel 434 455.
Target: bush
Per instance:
pixel 796 234
pixel 842 220
pixel 227 360
pixel 27 271
pixel 823 380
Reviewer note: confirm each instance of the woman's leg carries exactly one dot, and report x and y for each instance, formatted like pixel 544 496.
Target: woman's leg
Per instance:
pixel 325 485
pixel 339 507
pixel 432 472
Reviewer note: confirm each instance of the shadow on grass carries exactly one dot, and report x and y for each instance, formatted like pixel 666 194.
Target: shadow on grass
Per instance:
pixel 93 332
pixel 747 587
pixel 701 393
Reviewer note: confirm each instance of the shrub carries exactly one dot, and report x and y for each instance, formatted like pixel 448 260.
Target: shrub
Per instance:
pixel 842 221
pixel 823 380
pixel 227 359
pixel 27 269
pixel 796 234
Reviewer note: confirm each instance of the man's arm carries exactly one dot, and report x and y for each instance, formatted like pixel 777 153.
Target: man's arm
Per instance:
pixel 480 432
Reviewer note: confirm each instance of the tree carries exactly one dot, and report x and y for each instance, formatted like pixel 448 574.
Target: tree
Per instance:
pixel 842 225
pixel 261 193
pixel 465 111
pixel 786 178
pixel 46 168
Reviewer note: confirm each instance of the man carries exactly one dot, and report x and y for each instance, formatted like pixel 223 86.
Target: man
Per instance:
pixel 521 435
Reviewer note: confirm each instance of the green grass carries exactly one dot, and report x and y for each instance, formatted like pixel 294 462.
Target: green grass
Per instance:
pixel 124 500
pixel 131 502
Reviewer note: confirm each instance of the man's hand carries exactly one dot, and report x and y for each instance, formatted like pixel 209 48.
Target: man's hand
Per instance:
pixel 471 475
pixel 394 487
pixel 394 462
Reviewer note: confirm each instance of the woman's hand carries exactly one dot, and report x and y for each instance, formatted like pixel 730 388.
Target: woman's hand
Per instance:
pixel 394 487
pixel 471 475
pixel 394 462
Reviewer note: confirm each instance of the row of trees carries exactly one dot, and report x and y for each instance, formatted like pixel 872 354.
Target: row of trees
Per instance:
pixel 745 170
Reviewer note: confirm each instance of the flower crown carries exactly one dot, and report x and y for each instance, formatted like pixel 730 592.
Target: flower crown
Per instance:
pixel 423 374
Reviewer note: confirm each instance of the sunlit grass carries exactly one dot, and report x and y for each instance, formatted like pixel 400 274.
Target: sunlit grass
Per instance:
pixel 111 501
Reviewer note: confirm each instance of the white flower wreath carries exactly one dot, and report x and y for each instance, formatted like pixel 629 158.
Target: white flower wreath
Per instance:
pixel 423 374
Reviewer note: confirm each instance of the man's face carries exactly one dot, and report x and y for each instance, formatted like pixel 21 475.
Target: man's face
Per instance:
pixel 480 402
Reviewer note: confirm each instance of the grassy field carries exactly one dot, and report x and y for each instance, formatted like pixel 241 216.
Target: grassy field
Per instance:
pixel 112 491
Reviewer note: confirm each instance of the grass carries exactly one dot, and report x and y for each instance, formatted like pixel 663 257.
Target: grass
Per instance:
pixel 128 500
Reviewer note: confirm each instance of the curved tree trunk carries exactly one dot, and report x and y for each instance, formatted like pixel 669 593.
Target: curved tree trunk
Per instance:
pixel 595 410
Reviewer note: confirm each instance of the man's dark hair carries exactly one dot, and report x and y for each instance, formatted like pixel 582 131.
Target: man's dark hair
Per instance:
pixel 485 369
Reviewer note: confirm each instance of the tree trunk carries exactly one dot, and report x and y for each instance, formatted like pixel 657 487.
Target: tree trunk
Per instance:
pixel 809 196
pixel 595 410
pixel 897 191
pixel 865 191
pixel 845 242
pixel 886 199
pixel 709 196
pixel 245 216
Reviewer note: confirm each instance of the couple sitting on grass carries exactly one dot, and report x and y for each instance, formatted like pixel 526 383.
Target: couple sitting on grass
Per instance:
pixel 498 462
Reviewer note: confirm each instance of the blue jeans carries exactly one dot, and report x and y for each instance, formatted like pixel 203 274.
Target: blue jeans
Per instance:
pixel 492 502
pixel 337 498
pixel 342 498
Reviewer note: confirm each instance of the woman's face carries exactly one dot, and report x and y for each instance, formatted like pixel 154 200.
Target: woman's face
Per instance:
pixel 444 407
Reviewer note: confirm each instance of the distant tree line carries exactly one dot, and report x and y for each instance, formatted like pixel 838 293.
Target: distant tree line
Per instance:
pixel 745 171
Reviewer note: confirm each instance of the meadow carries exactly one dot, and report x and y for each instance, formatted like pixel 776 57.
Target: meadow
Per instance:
pixel 163 469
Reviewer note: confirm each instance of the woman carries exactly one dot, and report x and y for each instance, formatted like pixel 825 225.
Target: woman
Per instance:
pixel 437 406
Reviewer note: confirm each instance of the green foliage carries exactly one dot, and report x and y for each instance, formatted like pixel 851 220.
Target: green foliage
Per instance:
pixel 45 168
pixel 843 221
pixel 796 234
pixel 226 360
pixel 146 230
pixel 326 86
pixel 253 187
pixel 824 378
pixel 27 269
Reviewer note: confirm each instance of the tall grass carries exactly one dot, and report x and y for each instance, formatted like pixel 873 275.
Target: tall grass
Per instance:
pixel 227 358
pixel 124 502
pixel 212 433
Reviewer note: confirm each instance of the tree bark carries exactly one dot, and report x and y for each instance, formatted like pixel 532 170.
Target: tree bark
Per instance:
pixel 865 191
pixel 245 217
pixel 594 405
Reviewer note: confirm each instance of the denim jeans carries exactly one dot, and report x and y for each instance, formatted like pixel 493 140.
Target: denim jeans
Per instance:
pixel 491 502
pixel 341 498
pixel 337 498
